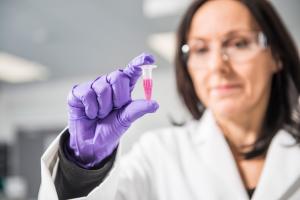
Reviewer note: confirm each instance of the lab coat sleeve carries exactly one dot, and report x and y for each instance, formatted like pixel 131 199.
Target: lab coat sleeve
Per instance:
pixel 129 177
pixel 49 166
pixel 72 181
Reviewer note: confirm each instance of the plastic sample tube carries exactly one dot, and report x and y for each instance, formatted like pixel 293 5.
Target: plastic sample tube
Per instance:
pixel 147 80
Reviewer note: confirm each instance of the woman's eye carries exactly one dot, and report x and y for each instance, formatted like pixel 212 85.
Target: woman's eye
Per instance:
pixel 241 44
pixel 201 50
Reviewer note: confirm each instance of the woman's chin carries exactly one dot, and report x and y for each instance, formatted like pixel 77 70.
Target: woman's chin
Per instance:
pixel 227 109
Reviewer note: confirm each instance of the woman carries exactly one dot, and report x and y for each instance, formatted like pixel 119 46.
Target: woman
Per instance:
pixel 238 73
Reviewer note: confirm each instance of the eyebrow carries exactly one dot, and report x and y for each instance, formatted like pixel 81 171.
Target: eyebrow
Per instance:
pixel 229 33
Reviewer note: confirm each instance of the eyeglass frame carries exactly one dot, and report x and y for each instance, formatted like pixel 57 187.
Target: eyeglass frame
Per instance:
pixel 262 41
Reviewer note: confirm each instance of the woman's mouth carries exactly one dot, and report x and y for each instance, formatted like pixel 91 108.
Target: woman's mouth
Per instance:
pixel 225 90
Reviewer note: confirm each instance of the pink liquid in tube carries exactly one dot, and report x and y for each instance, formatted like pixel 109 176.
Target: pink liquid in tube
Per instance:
pixel 147 88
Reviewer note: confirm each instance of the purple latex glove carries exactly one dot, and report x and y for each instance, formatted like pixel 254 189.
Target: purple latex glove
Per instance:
pixel 100 112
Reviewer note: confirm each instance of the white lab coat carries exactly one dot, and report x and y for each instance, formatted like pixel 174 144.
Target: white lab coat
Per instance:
pixel 190 162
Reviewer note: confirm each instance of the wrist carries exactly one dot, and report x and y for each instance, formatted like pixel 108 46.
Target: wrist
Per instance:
pixel 85 161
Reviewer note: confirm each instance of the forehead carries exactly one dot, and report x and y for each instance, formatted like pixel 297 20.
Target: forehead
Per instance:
pixel 218 17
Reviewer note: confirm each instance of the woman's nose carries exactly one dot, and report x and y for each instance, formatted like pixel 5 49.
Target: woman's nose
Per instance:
pixel 218 61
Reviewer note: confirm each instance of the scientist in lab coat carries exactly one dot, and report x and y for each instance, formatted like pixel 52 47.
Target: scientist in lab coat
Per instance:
pixel 238 73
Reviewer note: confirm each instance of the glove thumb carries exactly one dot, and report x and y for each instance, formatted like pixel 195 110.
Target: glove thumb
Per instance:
pixel 137 109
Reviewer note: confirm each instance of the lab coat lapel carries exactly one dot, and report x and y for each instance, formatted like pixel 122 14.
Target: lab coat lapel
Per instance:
pixel 216 154
pixel 281 171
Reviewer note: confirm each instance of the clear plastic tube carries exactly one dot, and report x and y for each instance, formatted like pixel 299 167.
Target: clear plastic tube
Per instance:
pixel 147 80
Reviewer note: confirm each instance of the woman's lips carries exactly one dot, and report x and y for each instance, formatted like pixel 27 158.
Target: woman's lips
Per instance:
pixel 225 90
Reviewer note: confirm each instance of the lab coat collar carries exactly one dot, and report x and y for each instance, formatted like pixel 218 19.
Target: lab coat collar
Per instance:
pixel 281 169
pixel 281 172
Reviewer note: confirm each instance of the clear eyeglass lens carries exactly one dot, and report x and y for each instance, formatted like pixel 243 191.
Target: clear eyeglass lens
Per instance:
pixel 237 49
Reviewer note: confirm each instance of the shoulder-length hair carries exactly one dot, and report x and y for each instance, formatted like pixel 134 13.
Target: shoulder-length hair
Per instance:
pixel 283 108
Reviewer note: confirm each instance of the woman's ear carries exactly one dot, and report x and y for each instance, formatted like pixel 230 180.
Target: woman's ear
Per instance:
pixel 278 64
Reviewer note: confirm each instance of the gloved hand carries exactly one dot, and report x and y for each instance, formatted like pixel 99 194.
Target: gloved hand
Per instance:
pixel 100 112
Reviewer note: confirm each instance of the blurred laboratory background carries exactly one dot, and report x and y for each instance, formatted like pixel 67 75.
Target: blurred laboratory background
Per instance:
pixel 47 46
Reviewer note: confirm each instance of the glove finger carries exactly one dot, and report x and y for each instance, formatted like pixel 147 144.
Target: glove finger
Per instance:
pixel 119 83
pixel 75 107
pixel 135 110
pixel 133 69
pixel 86 95
pixel 103 92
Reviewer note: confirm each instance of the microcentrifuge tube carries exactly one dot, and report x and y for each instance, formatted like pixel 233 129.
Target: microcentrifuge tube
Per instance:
pixel 147 80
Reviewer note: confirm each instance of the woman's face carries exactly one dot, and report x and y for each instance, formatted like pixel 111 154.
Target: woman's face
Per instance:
pixel 226 87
